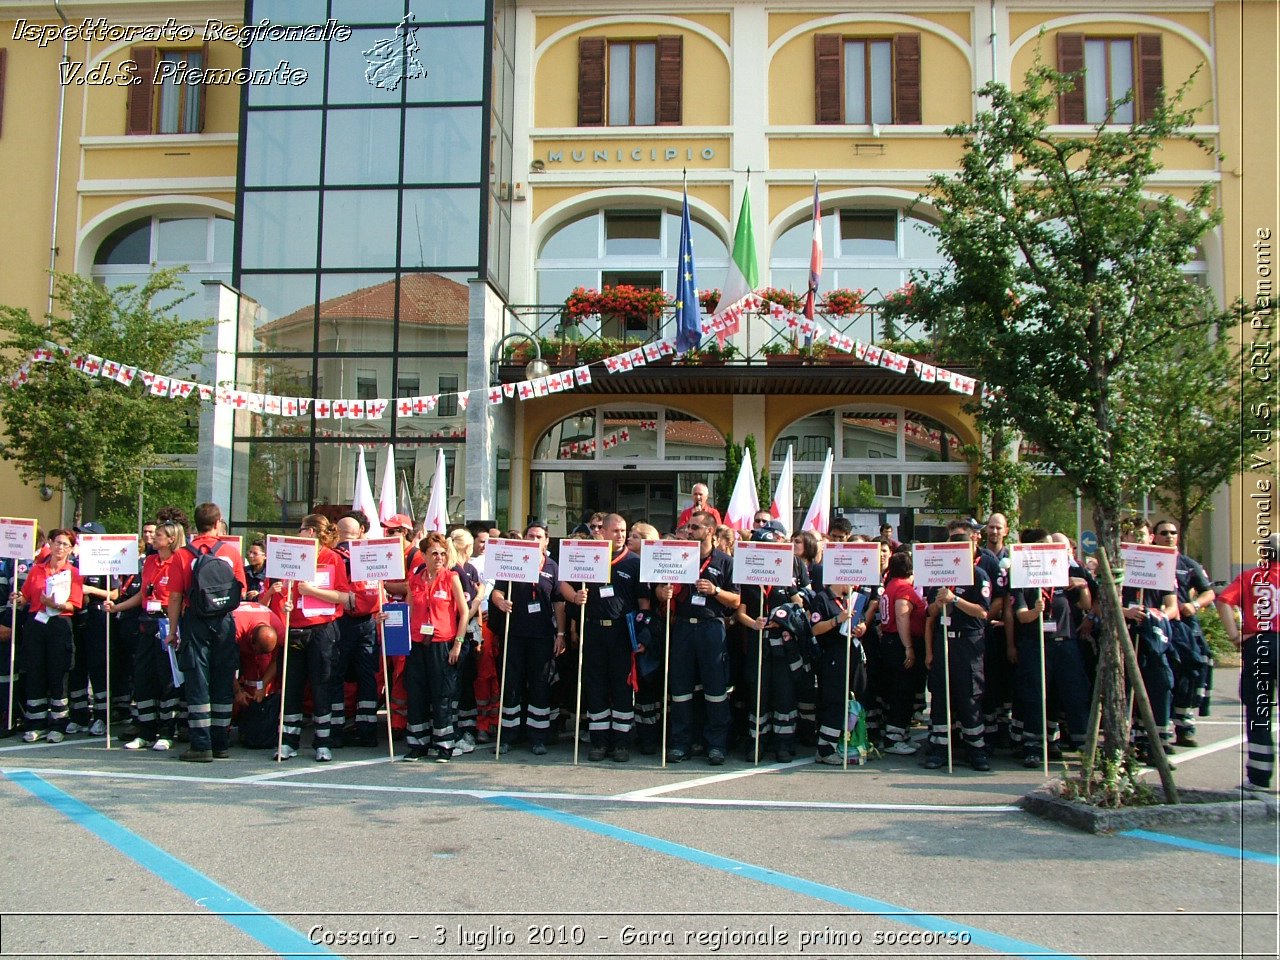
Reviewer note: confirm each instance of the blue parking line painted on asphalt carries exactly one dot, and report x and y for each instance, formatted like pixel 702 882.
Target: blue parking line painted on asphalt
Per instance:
pixel 808 888
pixel 276 935
pixel 1200 846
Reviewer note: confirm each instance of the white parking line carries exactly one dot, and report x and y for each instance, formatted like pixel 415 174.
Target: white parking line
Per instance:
pixel 1196 752
pixel 699 782
pixel 314 768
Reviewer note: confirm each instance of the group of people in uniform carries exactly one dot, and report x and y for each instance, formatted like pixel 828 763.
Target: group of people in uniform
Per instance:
pixel 764 671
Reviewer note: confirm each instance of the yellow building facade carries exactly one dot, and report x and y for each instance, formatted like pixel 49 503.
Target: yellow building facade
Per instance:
pixel 611 110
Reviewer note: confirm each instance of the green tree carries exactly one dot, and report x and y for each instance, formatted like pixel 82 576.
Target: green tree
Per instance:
pixel 1065 291
pixel 89 433
pixel 1204 448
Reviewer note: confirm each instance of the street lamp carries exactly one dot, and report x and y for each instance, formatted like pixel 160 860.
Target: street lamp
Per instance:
pixel 537 367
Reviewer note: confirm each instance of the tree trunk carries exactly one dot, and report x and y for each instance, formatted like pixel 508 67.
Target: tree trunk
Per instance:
pixel 1115 706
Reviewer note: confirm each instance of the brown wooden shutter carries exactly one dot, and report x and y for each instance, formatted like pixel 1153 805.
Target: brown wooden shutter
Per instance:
pixel 591 52
pixel 204 89
pixel 906 78
pixel 670 80
pixel 4 58
pixel 1071 60
pixel 140 103
pixel 828 77
pixel 1150 74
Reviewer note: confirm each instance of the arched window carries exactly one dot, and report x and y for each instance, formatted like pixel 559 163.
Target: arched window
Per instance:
pixel 130 253
pixel 639 461
pixel 883 458
pixel 870 248
pixel 625 245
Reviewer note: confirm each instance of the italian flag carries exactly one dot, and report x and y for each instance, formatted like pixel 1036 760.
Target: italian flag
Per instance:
pixel 744 271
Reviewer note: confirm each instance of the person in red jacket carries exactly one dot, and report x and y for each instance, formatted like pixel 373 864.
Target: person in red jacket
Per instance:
pixel 902 617
pixel 1256 594
pixel 701 502
pixel 312 612
pixel 53 592
pixel 258 633
pixel 207 649
pixel 438 624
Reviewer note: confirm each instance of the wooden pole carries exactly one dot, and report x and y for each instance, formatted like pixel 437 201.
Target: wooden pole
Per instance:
pixel 577 712
pixel 386 677
pixel 1044 701
pixel 502 676
pixel 108 616
pixel 848 669
pixel 666 687
pixel 946 671
pixel 284 668
pixel 13 644
pixel 759 674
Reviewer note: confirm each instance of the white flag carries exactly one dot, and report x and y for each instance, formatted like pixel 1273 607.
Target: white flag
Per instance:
pixel 783 506
pixel 387 507
pixel 818 519
pixel 744 502
pixel 437 515
pixel 362 493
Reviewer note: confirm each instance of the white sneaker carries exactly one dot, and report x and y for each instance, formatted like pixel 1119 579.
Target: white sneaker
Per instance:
pixel 465 745
pixel 137 743
pixel 286 753
pixel 1257 789
pixel 830 759
pixel 98 729
pixel 161 744
pixel 55 736
pixel 31 736
pixel 903 748
pixel 323 754
pixel 73 728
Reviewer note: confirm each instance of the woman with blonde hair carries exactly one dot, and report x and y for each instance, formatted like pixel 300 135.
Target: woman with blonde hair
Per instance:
pixel 312 611
pixel 465 704
pixel 438 623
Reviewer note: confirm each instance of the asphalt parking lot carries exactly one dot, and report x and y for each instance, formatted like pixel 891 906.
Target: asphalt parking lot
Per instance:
pixel 108 853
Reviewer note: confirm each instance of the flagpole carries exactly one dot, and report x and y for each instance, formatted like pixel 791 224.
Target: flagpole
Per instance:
pixel 284 668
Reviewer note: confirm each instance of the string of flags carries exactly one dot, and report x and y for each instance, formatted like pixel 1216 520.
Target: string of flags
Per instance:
pixel 363 409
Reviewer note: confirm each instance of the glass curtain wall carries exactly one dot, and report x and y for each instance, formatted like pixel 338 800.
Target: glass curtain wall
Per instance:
pixel 364 211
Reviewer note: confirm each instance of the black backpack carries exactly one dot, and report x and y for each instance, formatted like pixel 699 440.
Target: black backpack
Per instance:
pixel 214 590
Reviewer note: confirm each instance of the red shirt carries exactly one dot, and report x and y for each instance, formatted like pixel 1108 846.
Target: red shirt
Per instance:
pixel 690 511
pixel 253 665
pixel 900 589
pixel 432 602
pixel 329 567
pixel 1256 592
pixel 180 575
pixel 157 584
pixel 34 587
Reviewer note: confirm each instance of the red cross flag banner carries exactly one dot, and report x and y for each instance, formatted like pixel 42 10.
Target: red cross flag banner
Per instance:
pixel 1149 567
pixel 518 560
pixel 376 408
pixel 762 564
pixel 322 410
pixel 380 558
pixel 855 564
pixel 582 375
pixel 160 386
pixel 17 538
pixel 943 564
pixel 669 561
pixel 1038 565
pixel 291 558
pixel 584 560
pixel 108 554
pixel 273 405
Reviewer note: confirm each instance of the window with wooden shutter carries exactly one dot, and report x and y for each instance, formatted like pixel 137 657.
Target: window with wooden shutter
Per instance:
pixel 906 78
pixel 670 80
pixel 1071 60
pixel 1150 74
pixel 591 52
pixel 828 60
pixel 140 101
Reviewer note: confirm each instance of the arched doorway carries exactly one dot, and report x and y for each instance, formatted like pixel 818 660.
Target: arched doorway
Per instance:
pixel 639 460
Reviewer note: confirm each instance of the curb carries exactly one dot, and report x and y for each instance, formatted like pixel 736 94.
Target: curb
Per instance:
pixel 1197 806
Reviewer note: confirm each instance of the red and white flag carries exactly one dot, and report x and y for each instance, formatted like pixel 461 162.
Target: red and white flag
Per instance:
pixel 744 502
pixel 818 519
pixel 582 375
pixel 783 505
pixel 437 515
pixel 159 386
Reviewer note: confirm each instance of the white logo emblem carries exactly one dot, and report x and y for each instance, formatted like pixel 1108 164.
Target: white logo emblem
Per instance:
pixel 395 59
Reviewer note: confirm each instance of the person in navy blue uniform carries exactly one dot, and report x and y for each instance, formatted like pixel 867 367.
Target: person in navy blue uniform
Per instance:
pixel 966 609
pixel 606 650
pixel 534 640
pixel 1192 663
pixel 698 651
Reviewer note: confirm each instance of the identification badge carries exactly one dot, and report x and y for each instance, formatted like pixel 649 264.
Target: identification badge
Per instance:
pixel 606 590
pixel 441 594
pixel 945 620
pixel 535 608
pixel 427 630
pixel 153 606
pixel 698 600
pixel 1050 626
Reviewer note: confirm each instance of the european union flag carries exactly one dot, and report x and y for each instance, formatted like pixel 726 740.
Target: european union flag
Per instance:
pixel 688 310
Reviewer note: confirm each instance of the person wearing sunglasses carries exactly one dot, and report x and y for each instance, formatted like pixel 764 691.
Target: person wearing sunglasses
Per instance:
pixel 438 613
pixel 52 593
pixel 1193 663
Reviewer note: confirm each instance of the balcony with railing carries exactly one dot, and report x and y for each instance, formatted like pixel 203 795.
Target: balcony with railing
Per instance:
pixel 768 339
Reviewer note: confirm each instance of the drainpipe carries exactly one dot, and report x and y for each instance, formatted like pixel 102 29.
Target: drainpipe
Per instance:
pixel 57 161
